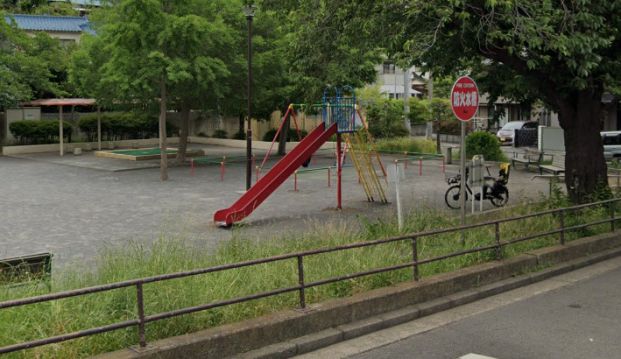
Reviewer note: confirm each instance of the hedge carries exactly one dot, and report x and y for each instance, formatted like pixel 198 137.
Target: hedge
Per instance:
pixel 31 132
pixel 122 126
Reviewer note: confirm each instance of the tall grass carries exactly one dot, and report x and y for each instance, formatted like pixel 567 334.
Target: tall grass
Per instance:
pixel 170 254
pixel 405 144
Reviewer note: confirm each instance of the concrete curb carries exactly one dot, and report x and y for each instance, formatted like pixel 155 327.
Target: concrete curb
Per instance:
pixel 292 332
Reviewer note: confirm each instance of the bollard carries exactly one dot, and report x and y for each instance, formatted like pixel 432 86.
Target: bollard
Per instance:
pixel 192 171
pixel 443 165
pixel 449 155
pixel 295 181
pixel 222 171
pixel 329 181
pixel 420 166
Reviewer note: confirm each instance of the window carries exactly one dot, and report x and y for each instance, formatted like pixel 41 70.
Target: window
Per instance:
pixel 388 68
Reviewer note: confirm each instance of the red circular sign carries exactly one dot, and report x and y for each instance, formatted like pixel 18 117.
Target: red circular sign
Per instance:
pixel 465 98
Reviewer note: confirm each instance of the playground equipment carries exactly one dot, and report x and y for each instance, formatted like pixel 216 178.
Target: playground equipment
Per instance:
pixel 365 158
pixel 338 118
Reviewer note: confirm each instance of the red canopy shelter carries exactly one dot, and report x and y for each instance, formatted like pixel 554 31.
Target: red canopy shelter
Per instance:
pixel 60 102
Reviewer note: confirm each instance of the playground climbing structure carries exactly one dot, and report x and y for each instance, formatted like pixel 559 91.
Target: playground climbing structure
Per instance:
pixel 339 118
pixel 367 162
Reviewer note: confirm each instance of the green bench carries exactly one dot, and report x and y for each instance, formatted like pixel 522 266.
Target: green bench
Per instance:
pixel 26 268
pixel 557 167
pixel 528 158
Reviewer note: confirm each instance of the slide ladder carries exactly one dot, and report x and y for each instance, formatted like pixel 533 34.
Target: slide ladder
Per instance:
pixel 366 160
pixel 265 186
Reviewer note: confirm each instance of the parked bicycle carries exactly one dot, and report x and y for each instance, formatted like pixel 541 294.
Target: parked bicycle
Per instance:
pixel 495 189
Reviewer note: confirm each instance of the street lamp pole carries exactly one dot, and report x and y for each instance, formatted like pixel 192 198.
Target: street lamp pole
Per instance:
pixel 249 10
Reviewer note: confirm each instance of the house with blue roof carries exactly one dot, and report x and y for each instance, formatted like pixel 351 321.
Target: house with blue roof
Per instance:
pixel 68 29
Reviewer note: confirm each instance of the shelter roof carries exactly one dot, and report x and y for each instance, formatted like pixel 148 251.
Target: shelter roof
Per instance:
pixel 61 102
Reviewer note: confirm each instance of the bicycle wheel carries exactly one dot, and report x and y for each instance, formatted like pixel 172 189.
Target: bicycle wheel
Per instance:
pixel 501 198
pixel 451 197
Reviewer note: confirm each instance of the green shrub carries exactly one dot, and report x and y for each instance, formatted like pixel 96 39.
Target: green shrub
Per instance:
pixel 220 134
pixel 292 135
pixel 239 135
pixel 422 110
pixel 30 132
pixel 486 144
pixel 406 144
pixel 122 126
pixel 386 119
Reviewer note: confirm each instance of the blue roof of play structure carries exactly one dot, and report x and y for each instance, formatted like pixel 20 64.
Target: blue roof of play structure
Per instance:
pixel 50 23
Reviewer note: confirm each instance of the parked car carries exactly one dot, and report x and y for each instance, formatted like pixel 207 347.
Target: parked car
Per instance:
pixel 506 133
pixel 612 144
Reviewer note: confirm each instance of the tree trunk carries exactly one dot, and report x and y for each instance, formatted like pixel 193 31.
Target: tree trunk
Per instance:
pixel 282 140
pixel 585 167
pixel 163 144
pixel 183 132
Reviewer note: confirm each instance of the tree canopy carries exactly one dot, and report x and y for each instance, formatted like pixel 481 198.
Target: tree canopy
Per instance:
pixel 566 53
pixel 29 66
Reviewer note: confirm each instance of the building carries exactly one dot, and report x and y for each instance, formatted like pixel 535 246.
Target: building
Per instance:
pixel 391 78
pixel 68 29
pixel 82 7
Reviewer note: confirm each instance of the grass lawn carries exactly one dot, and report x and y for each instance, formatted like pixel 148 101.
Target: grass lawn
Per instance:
pixel 170 254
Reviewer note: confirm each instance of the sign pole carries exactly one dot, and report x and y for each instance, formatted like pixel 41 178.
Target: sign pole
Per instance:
pixel 462 185
pixel 465 104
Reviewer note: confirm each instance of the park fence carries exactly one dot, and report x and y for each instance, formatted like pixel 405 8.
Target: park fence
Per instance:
pixel 141 320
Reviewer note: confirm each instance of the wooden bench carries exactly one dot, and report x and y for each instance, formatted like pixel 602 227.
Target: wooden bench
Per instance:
pixel 529 157
pixel 557 167
pixel 25 268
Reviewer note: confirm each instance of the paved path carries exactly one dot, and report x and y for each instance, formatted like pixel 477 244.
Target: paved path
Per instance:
pixel 74 206
pixel 575 315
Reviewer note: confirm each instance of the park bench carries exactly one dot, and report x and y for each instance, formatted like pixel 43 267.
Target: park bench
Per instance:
pixel 557 166
pixel 527 158
pixel 25 268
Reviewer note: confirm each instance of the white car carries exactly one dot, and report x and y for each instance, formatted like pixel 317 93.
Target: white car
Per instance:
pixel 506 133
pixel 612 144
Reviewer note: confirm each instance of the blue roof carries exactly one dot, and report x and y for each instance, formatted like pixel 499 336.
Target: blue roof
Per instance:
pixel 50 23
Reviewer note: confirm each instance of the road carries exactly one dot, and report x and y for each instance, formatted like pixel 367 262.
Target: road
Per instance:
pixel 576 315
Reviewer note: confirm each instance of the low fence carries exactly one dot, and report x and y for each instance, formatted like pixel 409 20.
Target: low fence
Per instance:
pixel 141 320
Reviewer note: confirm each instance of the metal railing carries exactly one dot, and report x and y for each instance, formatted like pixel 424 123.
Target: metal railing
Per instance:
pixel 142 319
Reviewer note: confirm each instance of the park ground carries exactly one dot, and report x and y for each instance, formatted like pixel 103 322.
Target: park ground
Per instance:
pixel 75 206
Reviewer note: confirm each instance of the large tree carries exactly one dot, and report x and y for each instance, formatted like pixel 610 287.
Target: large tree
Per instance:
pixel 566 53
pixel 29 66
pixel 156 53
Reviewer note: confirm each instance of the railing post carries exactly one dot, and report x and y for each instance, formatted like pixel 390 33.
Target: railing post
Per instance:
pixel 415 257
pixel 301 281
pixel 562 219
pixel 141 325
pixel 498 247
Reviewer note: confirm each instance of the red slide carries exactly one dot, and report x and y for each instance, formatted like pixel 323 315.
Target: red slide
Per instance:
pixel 275 177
